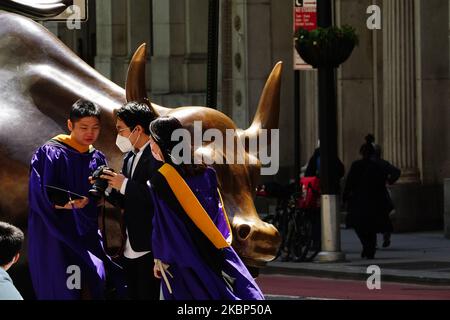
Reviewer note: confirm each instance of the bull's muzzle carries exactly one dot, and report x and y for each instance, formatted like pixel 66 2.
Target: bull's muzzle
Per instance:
pixel 257 242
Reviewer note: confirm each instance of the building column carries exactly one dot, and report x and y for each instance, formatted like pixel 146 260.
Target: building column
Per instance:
pixel 226 58
pixel 179 60
pixel 139 30
pixel 260 50
pixel 239 72
pixel 252 55
pixel 399 88
pixel 309 115
pixel 111 39
pixel 195 59
pixel 121 27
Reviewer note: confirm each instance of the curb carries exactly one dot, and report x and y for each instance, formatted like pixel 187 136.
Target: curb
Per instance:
pixel 345 275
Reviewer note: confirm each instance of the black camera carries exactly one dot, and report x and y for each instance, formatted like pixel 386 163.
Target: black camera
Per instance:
pixel 100 185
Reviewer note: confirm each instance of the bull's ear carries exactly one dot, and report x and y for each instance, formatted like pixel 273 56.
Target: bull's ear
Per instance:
pixel 135 86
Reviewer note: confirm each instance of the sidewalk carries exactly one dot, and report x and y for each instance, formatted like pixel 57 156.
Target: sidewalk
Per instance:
pixel 421 258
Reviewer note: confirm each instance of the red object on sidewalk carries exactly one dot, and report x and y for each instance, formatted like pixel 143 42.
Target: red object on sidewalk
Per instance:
pixel 310 193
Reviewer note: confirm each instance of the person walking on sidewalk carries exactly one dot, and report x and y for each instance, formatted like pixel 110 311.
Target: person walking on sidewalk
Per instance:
pixel 392 174
pixel 367 198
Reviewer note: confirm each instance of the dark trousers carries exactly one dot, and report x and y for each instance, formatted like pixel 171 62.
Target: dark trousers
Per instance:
pixel 368 240
pixel 142 285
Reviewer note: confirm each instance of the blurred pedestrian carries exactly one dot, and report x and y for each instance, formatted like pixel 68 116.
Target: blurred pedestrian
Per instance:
pixel 392 174
pixel 367 198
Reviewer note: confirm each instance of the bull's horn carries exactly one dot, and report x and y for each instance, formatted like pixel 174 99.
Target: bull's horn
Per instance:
pixel 135 85
pixel 268 111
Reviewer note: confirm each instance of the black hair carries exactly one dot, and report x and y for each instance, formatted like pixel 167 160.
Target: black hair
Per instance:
pixel 367 150
pixel 161 130
pixel 134 113
pixel 11 239
pixel 82 109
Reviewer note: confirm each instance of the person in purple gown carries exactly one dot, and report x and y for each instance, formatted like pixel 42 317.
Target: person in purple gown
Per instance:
pixel 65 250
pixel 192 237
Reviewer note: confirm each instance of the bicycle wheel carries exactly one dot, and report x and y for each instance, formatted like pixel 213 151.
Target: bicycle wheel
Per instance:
pixel 316 244
pixel 313 251
pixel 303 237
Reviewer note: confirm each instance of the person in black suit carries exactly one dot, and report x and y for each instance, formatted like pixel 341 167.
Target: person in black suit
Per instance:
pixel 367 197
pixel 128 190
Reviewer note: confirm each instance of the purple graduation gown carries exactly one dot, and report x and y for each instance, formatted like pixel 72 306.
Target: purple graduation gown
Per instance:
pixel 172 243
pixel 58 239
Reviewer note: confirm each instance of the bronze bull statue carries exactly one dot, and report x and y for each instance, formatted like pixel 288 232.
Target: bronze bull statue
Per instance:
pixel 40 78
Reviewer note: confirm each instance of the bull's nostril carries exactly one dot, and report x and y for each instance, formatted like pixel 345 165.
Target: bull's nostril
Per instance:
pixel 243 231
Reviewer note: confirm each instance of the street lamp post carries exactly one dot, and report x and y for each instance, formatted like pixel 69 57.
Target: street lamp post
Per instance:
pixel 331 250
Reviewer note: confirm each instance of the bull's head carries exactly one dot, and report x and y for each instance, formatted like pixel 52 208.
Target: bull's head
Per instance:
pixel 256 241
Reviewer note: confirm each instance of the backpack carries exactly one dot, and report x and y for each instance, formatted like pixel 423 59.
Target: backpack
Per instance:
pixel 310 193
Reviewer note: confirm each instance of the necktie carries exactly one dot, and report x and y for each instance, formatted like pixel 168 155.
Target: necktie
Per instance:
pixel 130 165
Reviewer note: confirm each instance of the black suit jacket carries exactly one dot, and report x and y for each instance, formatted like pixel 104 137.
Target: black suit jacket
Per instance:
pixel 137 203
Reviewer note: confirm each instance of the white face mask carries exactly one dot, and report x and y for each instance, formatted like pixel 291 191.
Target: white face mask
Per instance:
pixel 124 144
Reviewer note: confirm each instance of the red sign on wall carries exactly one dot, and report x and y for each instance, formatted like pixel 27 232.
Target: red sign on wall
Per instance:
pixel 305 16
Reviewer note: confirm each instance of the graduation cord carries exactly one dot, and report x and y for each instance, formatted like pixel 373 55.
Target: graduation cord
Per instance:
pixel 72 203
pixel 230 237
pixel 163 269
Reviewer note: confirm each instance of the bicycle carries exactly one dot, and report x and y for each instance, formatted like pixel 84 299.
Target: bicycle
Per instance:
pixel 299 228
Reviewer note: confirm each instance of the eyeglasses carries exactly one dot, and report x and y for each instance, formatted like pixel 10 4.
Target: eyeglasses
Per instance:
pixel 131 131
pixel 119 131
